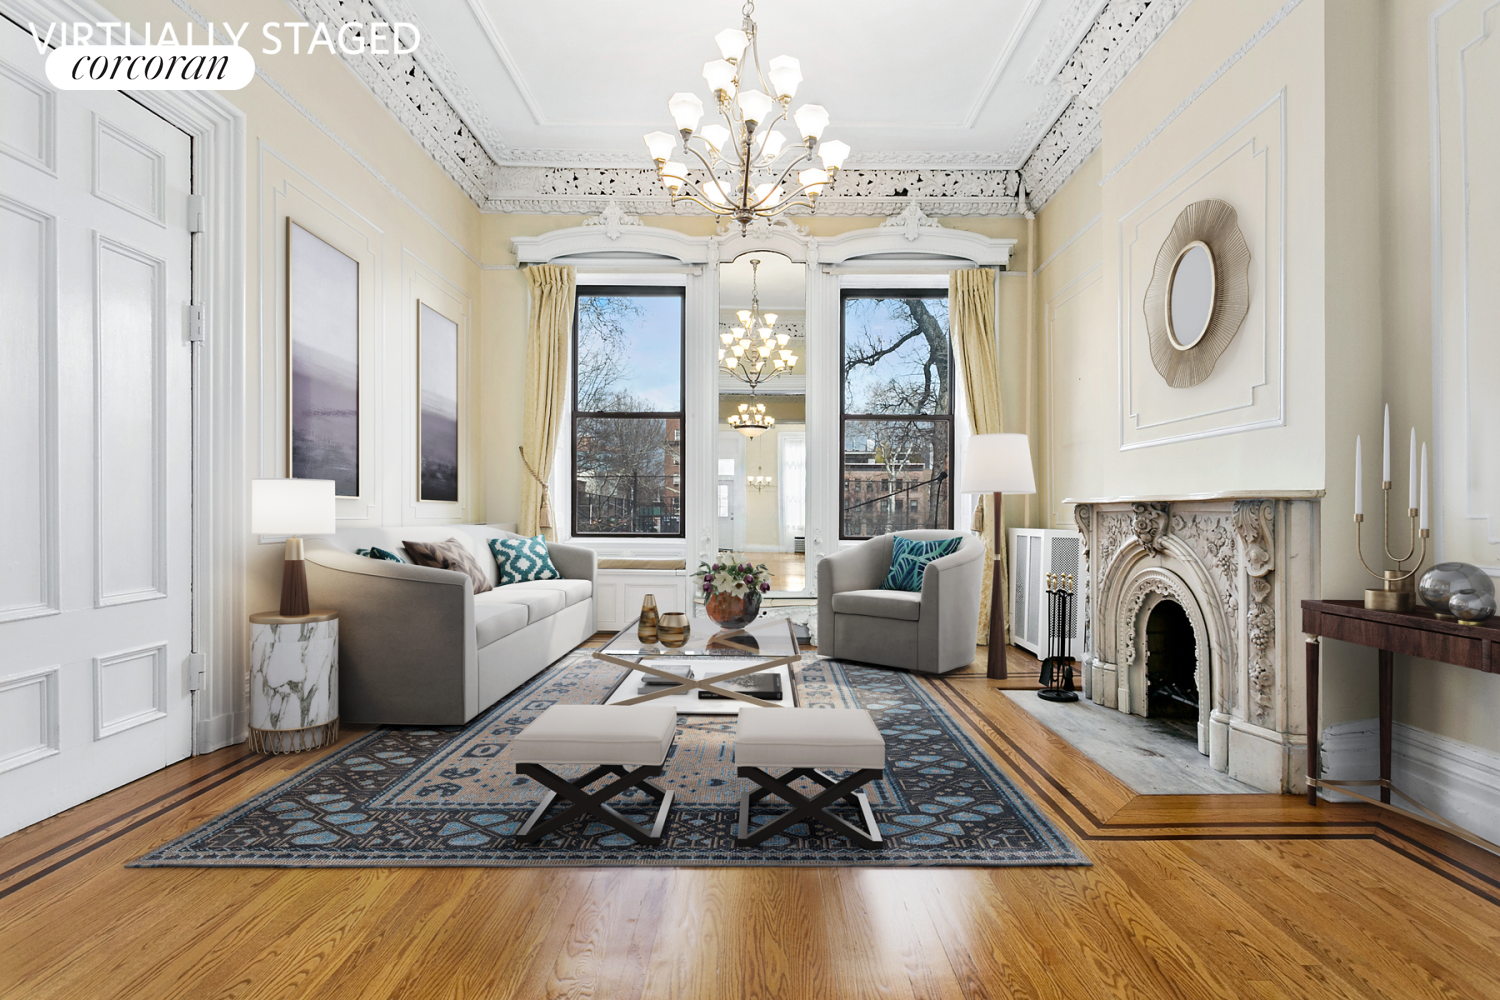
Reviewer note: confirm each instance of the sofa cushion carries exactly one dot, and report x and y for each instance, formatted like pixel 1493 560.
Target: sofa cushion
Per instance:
pixel 573 591
pixel 909 558
pixel 453 554
pixel 522 560
pixel 539 603
pixel 376 552
pixel 496 621
pixel 879 604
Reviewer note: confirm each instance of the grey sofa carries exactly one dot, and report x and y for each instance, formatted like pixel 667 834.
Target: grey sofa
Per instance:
pixel 933 631
pixel 417 646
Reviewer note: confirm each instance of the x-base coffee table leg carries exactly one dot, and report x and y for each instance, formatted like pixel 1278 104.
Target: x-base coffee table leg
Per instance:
pixel 804 808
pixel 686 684
pixel 586 803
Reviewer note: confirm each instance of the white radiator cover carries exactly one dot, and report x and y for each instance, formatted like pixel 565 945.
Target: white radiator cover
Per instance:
pixel 1035 552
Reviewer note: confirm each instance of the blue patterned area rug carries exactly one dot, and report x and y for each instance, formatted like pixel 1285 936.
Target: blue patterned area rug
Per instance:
pixel 428 797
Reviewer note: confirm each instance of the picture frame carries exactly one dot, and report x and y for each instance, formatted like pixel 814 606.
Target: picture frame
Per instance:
pixel 437 406
pixel 323 364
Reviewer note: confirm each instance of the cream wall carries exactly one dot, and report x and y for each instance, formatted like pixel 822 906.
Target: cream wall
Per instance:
pixel 1332 101
pixel 361 182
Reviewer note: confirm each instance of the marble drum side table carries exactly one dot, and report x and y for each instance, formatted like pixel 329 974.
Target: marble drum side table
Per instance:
pixel 294 681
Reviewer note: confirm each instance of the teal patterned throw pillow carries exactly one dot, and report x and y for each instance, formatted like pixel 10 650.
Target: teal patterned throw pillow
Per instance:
pixel 910 557
pixel 522 560
pixel 374 553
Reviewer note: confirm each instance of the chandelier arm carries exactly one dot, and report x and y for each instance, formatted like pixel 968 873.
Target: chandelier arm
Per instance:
pixel 792 166
pixel 695 200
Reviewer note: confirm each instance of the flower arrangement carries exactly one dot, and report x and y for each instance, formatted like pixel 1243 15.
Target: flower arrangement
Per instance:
pixel 732 588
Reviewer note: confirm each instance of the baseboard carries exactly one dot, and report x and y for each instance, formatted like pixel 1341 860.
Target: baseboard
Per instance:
pixel 219 731
pixel 1459 781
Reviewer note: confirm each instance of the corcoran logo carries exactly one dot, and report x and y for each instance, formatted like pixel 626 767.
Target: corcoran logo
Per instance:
pixel 100 55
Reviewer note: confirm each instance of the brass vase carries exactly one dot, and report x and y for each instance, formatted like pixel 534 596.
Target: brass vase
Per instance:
pixel 672 630
pixel 646 628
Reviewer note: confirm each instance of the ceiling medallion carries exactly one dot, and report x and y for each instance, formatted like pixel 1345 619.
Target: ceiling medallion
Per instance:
pixel 745 161
pixel 1199 292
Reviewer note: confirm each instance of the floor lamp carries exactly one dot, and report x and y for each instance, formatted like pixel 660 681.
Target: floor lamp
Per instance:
pixel 997 464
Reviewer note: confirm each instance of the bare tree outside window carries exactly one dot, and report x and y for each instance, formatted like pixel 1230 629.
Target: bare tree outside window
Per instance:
pixel 897 412
pixel 627 415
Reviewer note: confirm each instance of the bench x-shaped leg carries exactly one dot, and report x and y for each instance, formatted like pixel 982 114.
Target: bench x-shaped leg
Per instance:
pixel 804 808
pixel 587 803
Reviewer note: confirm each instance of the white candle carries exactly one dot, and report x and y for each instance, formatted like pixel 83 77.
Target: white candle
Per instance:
pixel 1411 474
pixel 1423 522
pixel 1359 493
pixel 1385 460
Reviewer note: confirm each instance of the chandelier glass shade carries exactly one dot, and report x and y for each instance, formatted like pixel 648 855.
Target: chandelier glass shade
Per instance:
pixel 752 420
pixel 744 168
pixel 759 483
pixel 755 361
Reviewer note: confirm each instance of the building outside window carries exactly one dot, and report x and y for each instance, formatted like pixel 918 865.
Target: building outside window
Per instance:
pixel 627 416
pixel 897 411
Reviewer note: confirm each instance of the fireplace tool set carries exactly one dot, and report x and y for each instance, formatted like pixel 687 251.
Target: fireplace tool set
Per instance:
pixel 1057 668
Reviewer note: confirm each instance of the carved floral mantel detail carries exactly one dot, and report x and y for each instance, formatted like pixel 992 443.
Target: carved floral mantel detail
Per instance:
pixel 1239 566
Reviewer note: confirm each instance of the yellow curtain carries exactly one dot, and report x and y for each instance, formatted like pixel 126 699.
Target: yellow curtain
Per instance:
pixel 971 320
pixel 547 336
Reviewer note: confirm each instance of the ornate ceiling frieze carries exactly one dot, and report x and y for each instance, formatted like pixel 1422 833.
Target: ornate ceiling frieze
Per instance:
pixel 427 96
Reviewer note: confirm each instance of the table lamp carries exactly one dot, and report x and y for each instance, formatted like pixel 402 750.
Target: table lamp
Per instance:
pixel 997 464
pixel 292 507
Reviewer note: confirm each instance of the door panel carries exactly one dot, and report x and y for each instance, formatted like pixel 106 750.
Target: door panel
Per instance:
pixel 95 443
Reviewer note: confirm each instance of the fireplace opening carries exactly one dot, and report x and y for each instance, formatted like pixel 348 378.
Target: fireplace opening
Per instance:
pixel 1171 664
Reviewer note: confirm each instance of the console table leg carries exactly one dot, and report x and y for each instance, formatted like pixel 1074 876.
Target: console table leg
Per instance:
pixel 1387 672
pixel 1312 720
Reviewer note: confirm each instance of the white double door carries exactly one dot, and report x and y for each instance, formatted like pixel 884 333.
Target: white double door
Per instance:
pixel 95 441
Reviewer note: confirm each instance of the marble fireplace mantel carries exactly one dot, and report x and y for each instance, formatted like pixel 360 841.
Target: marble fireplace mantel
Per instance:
pixel 1239 564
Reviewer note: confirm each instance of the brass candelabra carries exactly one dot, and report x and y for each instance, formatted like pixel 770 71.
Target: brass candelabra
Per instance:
pixel 1398 589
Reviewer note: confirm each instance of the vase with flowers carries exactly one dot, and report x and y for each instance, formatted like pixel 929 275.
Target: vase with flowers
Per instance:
pixel 732 588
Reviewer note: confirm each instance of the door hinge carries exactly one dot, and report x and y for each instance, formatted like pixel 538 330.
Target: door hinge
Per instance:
pixel 196 322
pixel 197 213
pixel 197 663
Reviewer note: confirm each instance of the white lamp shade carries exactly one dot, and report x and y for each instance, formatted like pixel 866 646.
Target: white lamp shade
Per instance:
pixel 720 76
pixel 811 120
pixel 755 106
pixel 661 144
pixel 686 110
pixel 731 43
pixel 291 506
pixel 772 145
pixel 715 135
pixel 998 463
pixel 813 179
pixel 833 152
pixel 785 73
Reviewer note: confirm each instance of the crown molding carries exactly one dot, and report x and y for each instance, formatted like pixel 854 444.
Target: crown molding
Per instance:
pixel 1091 50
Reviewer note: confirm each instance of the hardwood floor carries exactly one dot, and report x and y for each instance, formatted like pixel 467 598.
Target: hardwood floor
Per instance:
pixel 1189 896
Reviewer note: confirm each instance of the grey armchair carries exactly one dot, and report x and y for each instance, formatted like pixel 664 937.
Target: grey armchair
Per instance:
pixel 933 631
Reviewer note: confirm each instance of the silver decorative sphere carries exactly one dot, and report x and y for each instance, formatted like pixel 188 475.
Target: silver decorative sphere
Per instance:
pixel 1440 583
pixel 1472 606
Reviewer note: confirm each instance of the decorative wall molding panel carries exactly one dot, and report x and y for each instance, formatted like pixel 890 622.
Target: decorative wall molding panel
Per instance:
pixel 1086 57
pixel 1228 563
pixel 1465 100
pixel 1246 391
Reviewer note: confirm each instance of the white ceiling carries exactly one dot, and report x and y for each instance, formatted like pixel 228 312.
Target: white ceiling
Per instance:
pixel 942 76
pixel 782 284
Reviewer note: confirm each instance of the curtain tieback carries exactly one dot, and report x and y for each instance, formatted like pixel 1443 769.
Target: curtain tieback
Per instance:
pixel 544 514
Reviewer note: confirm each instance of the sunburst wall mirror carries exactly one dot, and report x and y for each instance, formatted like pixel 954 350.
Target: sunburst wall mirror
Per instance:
pixel 1199 292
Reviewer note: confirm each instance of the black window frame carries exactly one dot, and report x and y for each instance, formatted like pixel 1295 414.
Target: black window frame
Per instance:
pixel 845 416
pixel 637 291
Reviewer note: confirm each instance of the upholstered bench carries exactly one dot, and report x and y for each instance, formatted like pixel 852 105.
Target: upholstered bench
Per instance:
pixel 629 742
pixel 808 740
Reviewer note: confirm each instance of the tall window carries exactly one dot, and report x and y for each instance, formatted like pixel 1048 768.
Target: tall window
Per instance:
pixel 627 411
pixel 897 419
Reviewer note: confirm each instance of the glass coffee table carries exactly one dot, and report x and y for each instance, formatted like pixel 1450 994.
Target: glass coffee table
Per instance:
pixel 709 659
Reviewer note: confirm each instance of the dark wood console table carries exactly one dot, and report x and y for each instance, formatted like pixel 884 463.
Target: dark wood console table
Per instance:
pixel 1416 633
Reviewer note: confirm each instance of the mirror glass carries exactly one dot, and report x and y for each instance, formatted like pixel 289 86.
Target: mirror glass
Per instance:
pixel 760 485
pixel 1190 296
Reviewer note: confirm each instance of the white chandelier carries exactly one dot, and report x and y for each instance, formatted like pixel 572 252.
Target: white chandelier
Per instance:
pixel 749 363
pixel 751 421
pixel 746 162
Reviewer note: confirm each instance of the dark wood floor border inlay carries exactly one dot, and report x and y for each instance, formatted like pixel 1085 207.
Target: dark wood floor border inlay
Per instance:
pixel 1373 830
pixel 122 830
